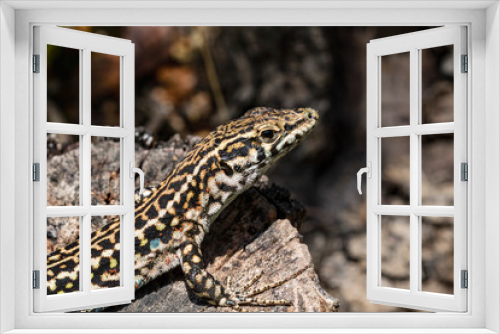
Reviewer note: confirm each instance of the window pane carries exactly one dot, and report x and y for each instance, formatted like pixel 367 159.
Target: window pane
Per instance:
pixel 63 85
pixel 437 84
pixel 105 256
pixel 63 259
pixel 105 171
pixel 395 171
pixel 395 251
pixel 437 169
pixel 105 90
pixel 437 254
pixel 63 170
pixel 395 104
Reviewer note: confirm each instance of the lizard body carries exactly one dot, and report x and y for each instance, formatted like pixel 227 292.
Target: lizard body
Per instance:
pixel 171 222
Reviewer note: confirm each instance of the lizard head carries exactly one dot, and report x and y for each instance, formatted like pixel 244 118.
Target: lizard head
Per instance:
pixel 255 141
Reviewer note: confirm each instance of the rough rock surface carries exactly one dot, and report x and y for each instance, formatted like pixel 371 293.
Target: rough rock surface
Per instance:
pixel 256 233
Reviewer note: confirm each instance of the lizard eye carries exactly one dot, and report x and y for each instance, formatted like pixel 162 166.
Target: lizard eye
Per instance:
pixel 268 134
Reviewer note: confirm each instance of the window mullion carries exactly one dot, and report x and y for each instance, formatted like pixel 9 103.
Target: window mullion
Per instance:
pixel 81 160
pixel 85 97
pixel 414 170
pixel 85 167
pixel 66 129
pixel 85 253
pixel 108 210
pixel 460 155
pixel 419 129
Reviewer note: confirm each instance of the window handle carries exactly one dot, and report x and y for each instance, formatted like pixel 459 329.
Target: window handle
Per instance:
pixel 368 171
pixel 141 176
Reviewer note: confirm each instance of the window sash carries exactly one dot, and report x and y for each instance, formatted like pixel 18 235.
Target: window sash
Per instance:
pixel 413 42
pixel 86 43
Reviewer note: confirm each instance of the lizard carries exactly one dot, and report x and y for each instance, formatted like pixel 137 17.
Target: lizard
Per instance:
pixel 172 219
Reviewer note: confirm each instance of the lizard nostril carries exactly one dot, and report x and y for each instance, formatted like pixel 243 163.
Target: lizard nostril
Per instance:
pixel 310 114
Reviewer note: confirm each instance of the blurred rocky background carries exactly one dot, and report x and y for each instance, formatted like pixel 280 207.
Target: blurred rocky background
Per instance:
pixel 190 79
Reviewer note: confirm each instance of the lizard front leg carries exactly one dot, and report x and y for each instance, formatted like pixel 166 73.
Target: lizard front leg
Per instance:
pixel 205 286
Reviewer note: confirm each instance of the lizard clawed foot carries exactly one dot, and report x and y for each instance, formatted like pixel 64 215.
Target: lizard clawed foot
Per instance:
pixel 236 300
pixel 241 296
pixel 243 288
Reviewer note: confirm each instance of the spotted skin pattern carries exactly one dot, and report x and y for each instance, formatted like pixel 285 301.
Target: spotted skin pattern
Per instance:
pixel 172 219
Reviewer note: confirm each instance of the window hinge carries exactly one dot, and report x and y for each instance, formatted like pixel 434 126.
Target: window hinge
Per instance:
pixel 36 279
pixel 465 279
pixel 464 171
pixel 36 172
pixel 465 64
pixel 36 63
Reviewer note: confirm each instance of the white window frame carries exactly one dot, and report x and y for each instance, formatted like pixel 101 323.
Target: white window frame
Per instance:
pixel 483 21
pixel 413 43
pixel 85 43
